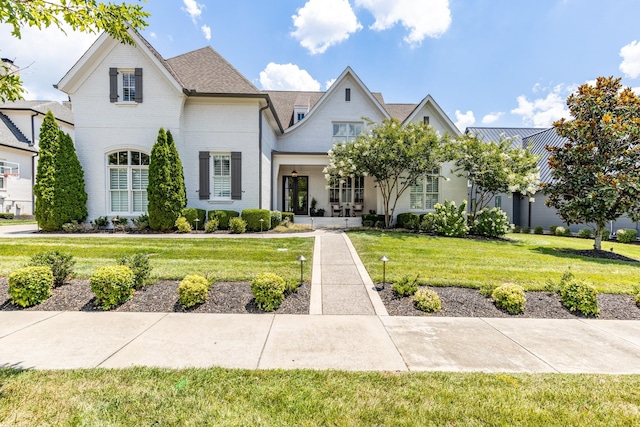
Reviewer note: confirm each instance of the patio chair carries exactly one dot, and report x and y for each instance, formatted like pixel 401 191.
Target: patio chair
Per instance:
pixel 357 210
pixel 336 210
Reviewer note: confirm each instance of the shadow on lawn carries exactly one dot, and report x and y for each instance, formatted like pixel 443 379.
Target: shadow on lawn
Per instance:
pixel 591 255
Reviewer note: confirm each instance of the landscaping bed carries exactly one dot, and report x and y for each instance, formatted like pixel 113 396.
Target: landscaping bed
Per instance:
pixel 467 302
pixel 224 297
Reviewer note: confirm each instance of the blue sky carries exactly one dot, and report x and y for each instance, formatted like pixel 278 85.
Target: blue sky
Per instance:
pixel 486 62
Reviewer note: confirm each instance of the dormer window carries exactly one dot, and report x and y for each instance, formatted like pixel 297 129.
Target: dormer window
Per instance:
pixel 125 85
pixel 300 107
pixel 300 117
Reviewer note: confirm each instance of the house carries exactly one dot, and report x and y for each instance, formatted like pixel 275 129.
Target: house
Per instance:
pixel 532 212
pixel 240 147
pixel 19 132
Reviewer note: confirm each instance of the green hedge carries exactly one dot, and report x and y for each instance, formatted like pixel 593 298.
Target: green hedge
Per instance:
pixel 408 220
pixel 192 213
pixel 290 215
pixel 6 215
pixel 276 218
pixel 223 217
pixel 253 217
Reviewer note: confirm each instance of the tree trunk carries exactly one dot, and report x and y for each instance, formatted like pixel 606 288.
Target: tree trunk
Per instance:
pixel 597 244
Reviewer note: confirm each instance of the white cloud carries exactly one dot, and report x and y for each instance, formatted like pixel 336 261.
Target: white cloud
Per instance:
pixel 425 18
pixel 464 120
pixel 328 84
pixel 287 77
pixel 206 30
pixel 630 64
pixel 491 118
pixel 636 90
pixel 542 112
pixel 42 68
pixel 323 23
pixel 153 35
pixel 193 9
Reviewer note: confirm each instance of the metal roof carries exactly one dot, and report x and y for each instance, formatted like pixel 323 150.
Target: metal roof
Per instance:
pixel 537 143
pixel 495 134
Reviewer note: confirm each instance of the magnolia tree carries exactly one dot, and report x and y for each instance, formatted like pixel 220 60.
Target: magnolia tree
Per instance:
pixel 595 175
pixel 493 167
pixel 393 154
pixel 79 15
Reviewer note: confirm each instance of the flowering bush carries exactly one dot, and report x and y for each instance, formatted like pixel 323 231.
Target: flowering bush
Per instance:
pixel 449 220
pixel 491 223
pixel 627 235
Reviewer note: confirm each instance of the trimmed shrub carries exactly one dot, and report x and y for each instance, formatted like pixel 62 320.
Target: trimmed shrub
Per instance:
pixel 567 232
pixel 372 217
pixel 6 215
pixel 580 296
pixel 627 235
pixel 509 297
pixel 516 229
pixel 367 223
pixel 428 224
pixel 237 225
pixel 253 216
pixel 585 233
pixel 192 290
pixel 141 223
pixel 560 231
pixel 290 216
pixel 406 286
pixel 29 286
pixel 525 230
pixel 60 263
pixel 605 234
pixel 112 285
pixel 223 217
pixel 291 286
pixel 140 267
pixel 183 226
pixel 211 225
pixel 100 223
pixel 268 290
pixel 427 300
pixel 408 220
pixel 538 230
pixel 552 229
pixel 276 218
pixel 449 220
pixel 191 214
pixel 491 223
pixel 637 298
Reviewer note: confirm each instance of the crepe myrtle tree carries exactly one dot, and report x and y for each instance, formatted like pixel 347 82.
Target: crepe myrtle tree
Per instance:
pixel 88 16
pixel 596 173
pixel 393 154
pixel 492 167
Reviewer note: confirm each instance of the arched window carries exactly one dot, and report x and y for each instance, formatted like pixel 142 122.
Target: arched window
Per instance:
pixel 128 180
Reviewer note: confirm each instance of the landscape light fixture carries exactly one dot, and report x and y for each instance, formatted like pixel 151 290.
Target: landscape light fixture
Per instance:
pixel 346 223
pixel 301 259
pixel 197 220
pixel 384 260
pixel 261 222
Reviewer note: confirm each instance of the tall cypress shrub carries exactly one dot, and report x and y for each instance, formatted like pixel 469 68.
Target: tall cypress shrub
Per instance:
pixel 44 188
pixel 166 191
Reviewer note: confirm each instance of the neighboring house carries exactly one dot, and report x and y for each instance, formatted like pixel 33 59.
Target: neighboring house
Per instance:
pixel 520 208
pixel 19 132
pixel 240 147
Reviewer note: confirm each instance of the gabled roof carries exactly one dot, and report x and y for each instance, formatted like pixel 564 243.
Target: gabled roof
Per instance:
pixel 284 101
pixel 205 71
pixel 400 111
pixel 11 136
pixel 537 143
pixel 60 112
pixel 494 133
pixel 428 100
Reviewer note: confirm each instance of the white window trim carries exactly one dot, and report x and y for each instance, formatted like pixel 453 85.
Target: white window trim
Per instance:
pixel 347 138
pixel 212 197
pixel 120 78
pixel 436 174
pixel 340 188
pixel 130 190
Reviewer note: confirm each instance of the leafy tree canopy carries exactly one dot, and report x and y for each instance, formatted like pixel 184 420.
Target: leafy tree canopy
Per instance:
pixel 393 154
pixel 80 15
pixel 596 174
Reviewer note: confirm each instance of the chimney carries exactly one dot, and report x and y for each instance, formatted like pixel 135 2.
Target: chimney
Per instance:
pixel 8 67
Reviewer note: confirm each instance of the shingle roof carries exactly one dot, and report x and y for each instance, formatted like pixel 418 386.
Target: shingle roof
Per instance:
pixel 494 134
pixel 537 143
pixel 59 111
pixel 206 71
pixel 283 102
pixel 11 136
pixel 400 111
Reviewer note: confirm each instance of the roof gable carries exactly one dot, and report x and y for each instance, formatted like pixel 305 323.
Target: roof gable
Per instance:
pixel 444 119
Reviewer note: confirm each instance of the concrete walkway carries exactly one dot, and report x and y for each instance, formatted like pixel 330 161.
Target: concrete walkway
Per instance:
pixel 348 328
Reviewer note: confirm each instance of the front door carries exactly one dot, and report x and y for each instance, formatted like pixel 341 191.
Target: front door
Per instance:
pixel 296 194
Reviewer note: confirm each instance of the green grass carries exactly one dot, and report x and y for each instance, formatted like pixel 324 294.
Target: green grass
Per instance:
pixel 17 221
pixel 195 397
pixel 224 259
pixel 528 260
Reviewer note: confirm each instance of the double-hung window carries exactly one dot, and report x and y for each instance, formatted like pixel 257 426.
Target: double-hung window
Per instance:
pixel 221 176
pixel 128 181
pixel 128 86
pixel 346 132
pixel 424 193
pixel 125 85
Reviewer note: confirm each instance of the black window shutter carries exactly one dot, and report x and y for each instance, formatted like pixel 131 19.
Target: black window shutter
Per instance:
pixel 204 192
pixel 138 83
pixel 236 175
pixel 113 84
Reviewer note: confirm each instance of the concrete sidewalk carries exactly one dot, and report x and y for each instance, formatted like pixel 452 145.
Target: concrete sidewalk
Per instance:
pixel 66 340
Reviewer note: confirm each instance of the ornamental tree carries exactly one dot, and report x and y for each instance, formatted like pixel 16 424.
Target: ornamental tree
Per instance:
pixel 493 167
pixel 166 190
pixel 79 15
pixel 596 173
pixel 393 154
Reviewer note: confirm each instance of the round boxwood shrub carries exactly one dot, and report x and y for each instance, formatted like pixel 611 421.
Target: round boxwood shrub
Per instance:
pixel 408 220
pixel 580 296
pixel 112 285
pixel 491 223
pixel 140 266
pixel 223 217
pixel 538 230
pixel 427 300
pixel 183 226
pixel 585 233
pixel 268 289
pixel 253 216
pixel 276 218
pixel 192 290
pixel 61 264
pixel 627 235
pixel 406 286
pixel 211 225
pixel 30 285
pixel 191 214
pixel 237 225
pixel 509 297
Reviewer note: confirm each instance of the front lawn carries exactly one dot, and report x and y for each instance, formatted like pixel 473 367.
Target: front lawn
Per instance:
pixel 528 260
pixel 172 258
pixel 194 397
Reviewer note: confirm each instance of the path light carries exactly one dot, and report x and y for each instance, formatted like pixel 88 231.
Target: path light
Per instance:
pixel 261 222
pixel 346 223
pixel 312 224
pixel 302 259
pixel 197 220
pixel 384 260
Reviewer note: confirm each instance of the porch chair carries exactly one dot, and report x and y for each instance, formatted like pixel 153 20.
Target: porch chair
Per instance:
pixel 357 210
pixel 336 210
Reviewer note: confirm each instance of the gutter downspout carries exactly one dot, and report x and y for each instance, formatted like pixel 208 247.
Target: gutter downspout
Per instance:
pixel 260 153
